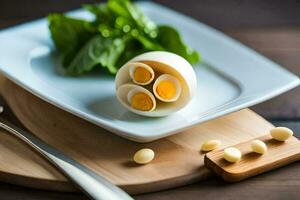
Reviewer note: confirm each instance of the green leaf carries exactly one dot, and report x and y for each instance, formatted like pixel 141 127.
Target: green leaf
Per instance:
pixel 119 32
pixel 98 51
pixel 135 17
pixel 118 7
pixel 141 20
pixel 102 13
pixel 132 48
pixel 171 41
pixel 69 35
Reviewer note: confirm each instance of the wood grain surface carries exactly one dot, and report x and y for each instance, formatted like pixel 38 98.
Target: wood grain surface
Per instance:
pixel 178 161
pixel 278 154
pixel 269 26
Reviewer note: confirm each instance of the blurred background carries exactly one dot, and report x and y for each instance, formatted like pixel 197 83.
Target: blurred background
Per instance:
pixel 224 15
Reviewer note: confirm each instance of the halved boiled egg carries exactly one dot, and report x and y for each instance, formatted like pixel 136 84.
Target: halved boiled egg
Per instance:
pixel 136 98
pixel 167 88
pixel 156 84
pixel 141 73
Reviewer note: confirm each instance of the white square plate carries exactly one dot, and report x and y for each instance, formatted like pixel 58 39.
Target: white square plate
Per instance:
pixel 230 78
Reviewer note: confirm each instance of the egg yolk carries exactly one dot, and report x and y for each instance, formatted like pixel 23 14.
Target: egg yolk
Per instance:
pixel 141 75
pixel 166 89
pixel 141 101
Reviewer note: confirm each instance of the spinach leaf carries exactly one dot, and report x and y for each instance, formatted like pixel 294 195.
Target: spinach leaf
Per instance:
pixel 134 16
pixel 102 13
pixel 171 41
pixel 98 51
pixel 132 48
pixel 119 32
pixel 69 35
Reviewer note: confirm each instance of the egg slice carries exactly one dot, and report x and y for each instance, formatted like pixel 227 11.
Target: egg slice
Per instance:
pixel 167 88
pixel 141 73
pixel 136 98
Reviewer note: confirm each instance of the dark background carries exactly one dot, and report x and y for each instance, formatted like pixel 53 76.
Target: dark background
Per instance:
pixel 271 27
pixel 226 14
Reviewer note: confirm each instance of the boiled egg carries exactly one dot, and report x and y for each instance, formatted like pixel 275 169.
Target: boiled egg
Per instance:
pixel 156 84
pixel 141 73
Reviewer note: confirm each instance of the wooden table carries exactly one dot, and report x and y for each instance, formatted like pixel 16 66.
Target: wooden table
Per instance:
pixel 271 27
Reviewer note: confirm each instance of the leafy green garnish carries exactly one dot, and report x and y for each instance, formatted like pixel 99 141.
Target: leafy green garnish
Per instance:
pixel 69 35
pixel 98 50
pixel 176 44
pixel 119 32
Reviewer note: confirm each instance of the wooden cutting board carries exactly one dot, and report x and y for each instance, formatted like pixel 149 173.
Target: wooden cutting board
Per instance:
pixel 278 154
pixel 178 160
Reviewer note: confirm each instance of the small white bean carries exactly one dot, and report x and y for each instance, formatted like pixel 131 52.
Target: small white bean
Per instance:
pixel 210 145
pixel 143 156
pixel 281 133
pixel 232 154
pixel 259 146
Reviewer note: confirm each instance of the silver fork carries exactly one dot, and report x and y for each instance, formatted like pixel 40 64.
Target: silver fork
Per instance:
pixel 94 185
